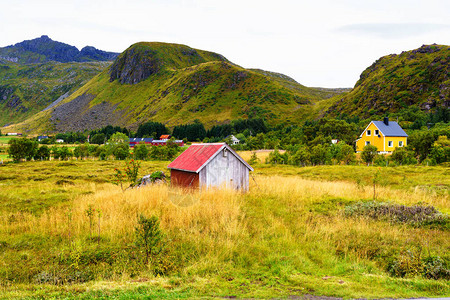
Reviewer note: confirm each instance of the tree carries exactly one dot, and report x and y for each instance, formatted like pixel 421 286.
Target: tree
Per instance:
pixel 140 152
pixel 118 145
pixel 346 154
pixel 402 156
pixel 301 157
pixel 368 154
pixel 65 153
pixel 81 151
pixel 121 152
pixel 320 154
pixel 98 139
pixel 22 149
pixel 149 236
pixel 275 157
pixel 153 129
pixel 421 142
pixel 440 151
pixel 43 153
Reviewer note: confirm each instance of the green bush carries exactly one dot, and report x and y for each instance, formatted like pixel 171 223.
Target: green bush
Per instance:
pixel 413 215
pixel 149 238
pixel 369 153
pixel 410 263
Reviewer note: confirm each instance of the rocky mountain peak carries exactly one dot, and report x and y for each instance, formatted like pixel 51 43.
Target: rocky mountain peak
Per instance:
pixel 43 49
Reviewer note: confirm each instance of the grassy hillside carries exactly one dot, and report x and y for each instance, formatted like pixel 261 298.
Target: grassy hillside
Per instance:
pixel 176 84
pixel 413 78
pixel 291 235
pixel 28 89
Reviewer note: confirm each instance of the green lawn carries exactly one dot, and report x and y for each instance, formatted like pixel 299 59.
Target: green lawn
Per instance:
pixel 4 139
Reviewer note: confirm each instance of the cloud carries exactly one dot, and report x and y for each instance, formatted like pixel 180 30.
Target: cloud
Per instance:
pixel 392 30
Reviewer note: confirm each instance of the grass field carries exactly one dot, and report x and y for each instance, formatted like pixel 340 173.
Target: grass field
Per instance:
pixel 288 236
pixel 4 140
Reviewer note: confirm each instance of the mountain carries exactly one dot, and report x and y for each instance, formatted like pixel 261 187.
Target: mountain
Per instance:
pixel 36 73
pixel 28 89
pixel 176 84
pixel 44 49
pixel 413 78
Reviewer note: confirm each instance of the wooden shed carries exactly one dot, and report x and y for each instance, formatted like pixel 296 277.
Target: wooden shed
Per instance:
pixel 210 165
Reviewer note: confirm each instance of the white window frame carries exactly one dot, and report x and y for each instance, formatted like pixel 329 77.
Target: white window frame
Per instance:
pixel 400 143
pixel 390 143
pixel 377 132
pixel 368 132
pixel 367 143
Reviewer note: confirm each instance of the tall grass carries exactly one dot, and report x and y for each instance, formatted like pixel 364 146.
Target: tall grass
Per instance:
pixel 281 238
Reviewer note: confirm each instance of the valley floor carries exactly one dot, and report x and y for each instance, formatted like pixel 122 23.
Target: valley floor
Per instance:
pixel 67 232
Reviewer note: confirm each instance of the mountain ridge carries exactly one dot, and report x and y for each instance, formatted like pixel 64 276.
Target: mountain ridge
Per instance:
pixel 44 49
pixel 176 84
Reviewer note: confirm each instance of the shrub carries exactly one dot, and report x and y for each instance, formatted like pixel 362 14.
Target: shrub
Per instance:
pixel 275 157
pixel 157 175
pixel 149 237
pixel 412 215
pixel 380 160
pixel 253 159
pixel 368 154
pixel 402 156
pixel 410 263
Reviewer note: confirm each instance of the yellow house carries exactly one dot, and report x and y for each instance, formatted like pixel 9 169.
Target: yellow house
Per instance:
pixel 385 135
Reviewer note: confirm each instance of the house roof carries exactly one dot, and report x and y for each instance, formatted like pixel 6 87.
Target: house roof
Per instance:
pixel 194 158
pixel 393 129
pixel 137 140
pixel 164 136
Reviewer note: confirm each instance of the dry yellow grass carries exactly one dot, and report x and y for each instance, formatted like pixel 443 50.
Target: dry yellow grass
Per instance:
pixel 204 214
pixel 280 229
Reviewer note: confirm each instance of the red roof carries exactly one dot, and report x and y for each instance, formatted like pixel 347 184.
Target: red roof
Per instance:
pixel 194 157
pixel 165 136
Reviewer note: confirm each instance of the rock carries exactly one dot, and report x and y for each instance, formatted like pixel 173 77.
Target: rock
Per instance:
pixel 134 66
pixel 149 179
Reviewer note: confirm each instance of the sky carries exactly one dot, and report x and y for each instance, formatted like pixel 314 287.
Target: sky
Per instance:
pixel 319 43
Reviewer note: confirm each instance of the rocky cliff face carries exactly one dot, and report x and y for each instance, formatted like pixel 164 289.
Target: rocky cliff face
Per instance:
pixel 44 49
pixel 133 66
pixel 141 60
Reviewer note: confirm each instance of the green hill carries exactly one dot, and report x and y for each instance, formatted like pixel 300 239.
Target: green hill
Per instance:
pixel 176 84
pixel 413 78
pixel 28 89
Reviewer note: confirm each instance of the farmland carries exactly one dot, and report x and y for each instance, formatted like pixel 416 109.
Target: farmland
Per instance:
pixel 292 234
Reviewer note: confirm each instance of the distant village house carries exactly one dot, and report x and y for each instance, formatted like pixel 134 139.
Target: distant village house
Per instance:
pixel 234 140
pixel 150 141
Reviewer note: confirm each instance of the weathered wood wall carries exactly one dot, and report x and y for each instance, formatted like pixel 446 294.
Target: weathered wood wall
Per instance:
pixel 225 171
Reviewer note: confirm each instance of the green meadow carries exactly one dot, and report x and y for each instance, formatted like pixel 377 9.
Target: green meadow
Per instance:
pixel 67 232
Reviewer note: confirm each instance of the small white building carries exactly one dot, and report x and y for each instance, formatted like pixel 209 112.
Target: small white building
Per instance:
pixel 234 140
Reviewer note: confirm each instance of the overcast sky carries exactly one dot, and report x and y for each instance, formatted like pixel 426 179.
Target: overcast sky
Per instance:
pixel 325 43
